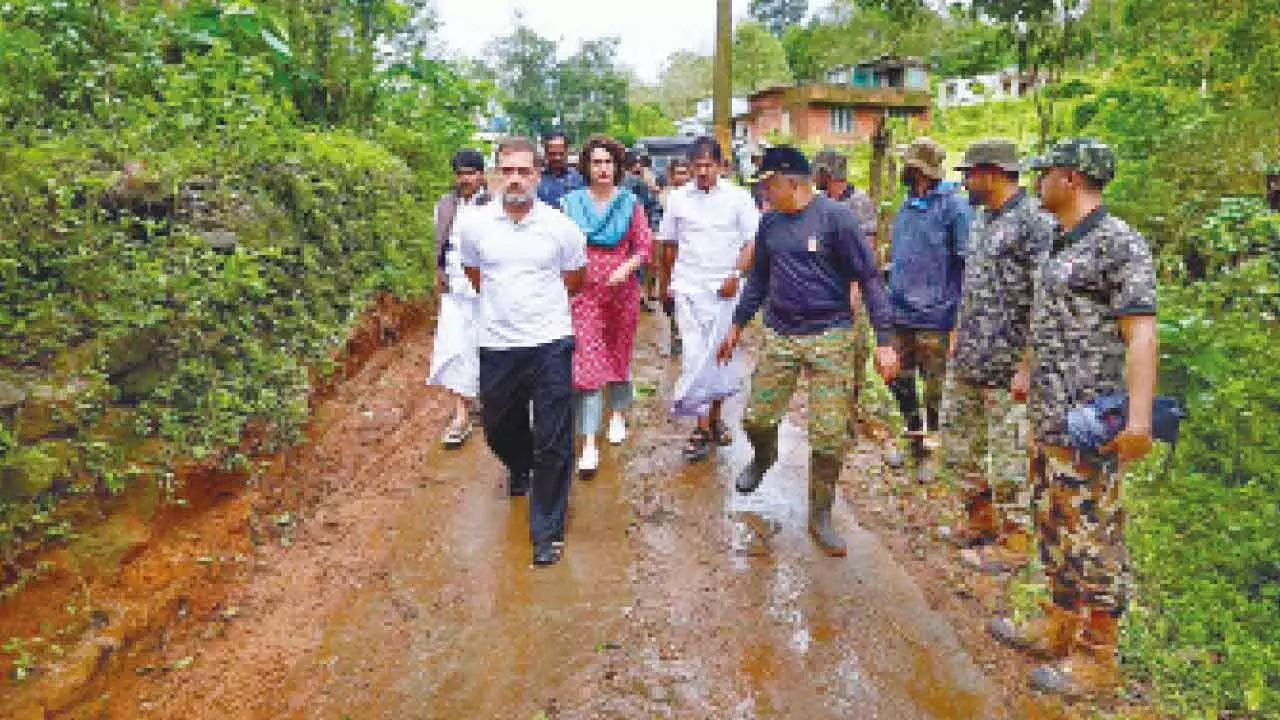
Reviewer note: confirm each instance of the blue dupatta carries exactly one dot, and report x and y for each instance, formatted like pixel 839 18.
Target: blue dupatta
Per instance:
pixel 602 229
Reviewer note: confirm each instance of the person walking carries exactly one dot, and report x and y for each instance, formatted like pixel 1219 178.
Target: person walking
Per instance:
pixel 607 310
pixel 455 360
pixel 707 236
pixel 809 253
pixel 984 427
pixel 930 236
pixel 1093 334
pixel 525 259
pixel 558 178
pixel 678 175
pixel 831 176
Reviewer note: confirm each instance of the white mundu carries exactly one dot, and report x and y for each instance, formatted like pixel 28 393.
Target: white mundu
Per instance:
pixel 523 300
pixel 455 358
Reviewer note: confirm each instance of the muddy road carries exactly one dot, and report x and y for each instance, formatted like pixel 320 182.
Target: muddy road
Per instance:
pixel 404 589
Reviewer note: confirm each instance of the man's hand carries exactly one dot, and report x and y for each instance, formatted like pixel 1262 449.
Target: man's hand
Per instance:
pixel 725 353
pixel 1021 385
pixel 886 359
pixel 1131 444
pixel 668 304
pixel 951 343
pixel 729 287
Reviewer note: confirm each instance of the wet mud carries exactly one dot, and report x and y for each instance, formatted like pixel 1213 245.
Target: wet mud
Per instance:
pixel 389 578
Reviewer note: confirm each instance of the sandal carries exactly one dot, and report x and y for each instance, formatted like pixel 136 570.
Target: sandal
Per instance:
pixel 699 445
pixel 456 435
pixel 721 434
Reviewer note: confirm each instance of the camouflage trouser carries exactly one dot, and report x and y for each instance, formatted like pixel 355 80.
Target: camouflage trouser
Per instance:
pixel 984 432
pixel 923 352
pixel 825 360
pixel 859 350
pixel 1080 523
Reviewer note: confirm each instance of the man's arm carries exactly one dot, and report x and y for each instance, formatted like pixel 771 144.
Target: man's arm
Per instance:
pixel 573 279
pixel 861 259
pixel 573 257
pixel 1139 332
pixel 667 246
pixel 748 221
pixel 473 274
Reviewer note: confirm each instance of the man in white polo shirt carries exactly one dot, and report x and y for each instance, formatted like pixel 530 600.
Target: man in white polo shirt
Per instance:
pixel 525 258
pixel 708 232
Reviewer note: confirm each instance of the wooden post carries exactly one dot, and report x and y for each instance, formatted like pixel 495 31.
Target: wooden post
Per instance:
pixel 723 84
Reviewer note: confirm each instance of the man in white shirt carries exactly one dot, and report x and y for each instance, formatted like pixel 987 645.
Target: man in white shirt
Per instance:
pixel 524 258
pixel 708 233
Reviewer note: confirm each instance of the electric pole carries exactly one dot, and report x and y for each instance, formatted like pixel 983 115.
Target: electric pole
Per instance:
pixel 722 84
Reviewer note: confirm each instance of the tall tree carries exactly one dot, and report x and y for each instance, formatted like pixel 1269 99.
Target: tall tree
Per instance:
pixel 778 15
pixel 591 90
pixel 758 59
pixel 524 65
pixel 685 79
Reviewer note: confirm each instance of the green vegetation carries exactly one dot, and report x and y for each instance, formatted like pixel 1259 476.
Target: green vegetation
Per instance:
pixel 196 204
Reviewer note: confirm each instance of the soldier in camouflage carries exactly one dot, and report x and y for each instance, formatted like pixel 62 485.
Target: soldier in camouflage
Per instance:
pixel 1093 332
pixel 831 176
pixel 984 428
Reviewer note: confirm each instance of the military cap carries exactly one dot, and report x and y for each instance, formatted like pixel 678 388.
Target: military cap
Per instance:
pixel 926 155
pixel 1090 156
pixel 783 160
pixel 992 152
pixel 831 162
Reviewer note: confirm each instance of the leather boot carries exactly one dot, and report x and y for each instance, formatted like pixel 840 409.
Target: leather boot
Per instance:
pixel 764 446
pixel 1092 667
pixel 1050 636
pixel 822 495
pixel 980 525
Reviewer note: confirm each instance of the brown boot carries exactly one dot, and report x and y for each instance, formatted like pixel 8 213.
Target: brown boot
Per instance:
pixel 1050 636
pixel 980 525
pixel 1092 667
pixel 823 474
pixel 1010 551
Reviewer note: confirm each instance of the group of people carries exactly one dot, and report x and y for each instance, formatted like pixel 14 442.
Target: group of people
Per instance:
pixel 1015 312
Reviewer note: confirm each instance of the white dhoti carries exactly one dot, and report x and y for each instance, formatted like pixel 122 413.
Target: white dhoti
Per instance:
pixel 455 357
pixel 704 320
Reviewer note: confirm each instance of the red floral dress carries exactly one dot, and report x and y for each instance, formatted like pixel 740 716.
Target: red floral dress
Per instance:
pixel 604 317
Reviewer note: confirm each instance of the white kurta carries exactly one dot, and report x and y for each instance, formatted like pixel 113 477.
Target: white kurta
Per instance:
pixel 704 320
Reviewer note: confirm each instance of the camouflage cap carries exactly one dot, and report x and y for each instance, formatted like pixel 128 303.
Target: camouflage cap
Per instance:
pixel 992 152
pixel 1090 156
pixel 831 162
pixel 926 155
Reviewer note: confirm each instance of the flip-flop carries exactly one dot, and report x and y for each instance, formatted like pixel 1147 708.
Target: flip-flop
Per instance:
pixel 720 434
pixel 698 446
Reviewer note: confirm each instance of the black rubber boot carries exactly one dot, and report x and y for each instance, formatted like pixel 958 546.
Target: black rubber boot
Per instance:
pixel 823 474
pixel 764 446
pixel 904 391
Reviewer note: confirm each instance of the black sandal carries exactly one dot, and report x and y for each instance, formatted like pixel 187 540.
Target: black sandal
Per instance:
pixel 699 445
pixel 720 434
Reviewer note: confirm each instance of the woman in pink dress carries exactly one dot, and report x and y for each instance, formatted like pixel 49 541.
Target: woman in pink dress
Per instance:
pixel 607 308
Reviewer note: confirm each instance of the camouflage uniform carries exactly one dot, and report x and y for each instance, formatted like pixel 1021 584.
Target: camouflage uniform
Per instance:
pixel 825 359
pixel 1098 272
pixel 991 337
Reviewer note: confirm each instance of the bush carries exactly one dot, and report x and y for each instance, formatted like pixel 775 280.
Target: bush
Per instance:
pixel 1203 535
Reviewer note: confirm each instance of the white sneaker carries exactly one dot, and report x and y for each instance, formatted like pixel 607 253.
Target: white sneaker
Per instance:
pixel 589 461
pixel 617 430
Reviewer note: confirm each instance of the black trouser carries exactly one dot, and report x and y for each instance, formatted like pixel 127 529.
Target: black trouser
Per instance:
pixel 510 380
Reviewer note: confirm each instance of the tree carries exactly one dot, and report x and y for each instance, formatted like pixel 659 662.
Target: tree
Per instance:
pixel 642 120
pixel 797 43
pixel 524 64
pixel 590 89
pixel 685 79
pixel 778 15
pixel 758 59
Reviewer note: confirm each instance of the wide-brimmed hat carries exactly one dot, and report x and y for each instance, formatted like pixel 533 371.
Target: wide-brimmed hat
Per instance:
pixel 992 152
pixel 926 155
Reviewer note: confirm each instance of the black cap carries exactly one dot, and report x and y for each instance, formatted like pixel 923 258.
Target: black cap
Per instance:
pixel 783 160
pixel 469 159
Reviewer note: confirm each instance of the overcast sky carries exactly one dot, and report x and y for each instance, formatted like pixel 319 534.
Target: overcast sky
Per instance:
pixel 650 30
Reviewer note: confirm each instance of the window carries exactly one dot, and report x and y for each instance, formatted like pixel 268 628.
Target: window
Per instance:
pixel 917 79
pixel 841 120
